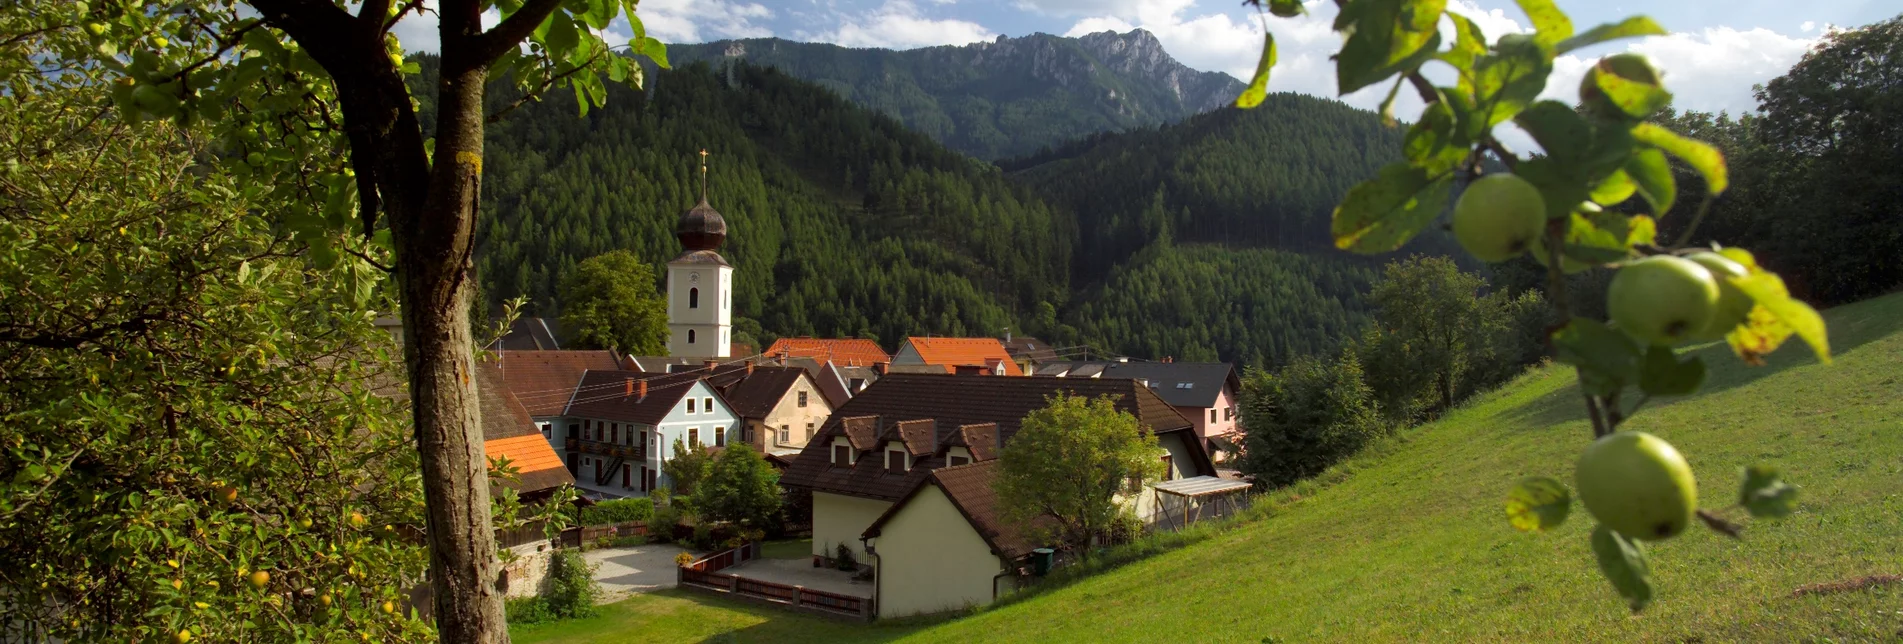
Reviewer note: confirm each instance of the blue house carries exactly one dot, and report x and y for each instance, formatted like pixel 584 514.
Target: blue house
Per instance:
pixel 620 426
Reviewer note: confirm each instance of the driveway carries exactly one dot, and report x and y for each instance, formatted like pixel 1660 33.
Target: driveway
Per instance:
pixel 637 569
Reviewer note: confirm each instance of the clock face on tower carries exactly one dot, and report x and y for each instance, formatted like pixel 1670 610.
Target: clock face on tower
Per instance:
pixel 693 278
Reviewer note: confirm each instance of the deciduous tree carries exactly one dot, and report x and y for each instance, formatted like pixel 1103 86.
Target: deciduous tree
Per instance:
pixel 740 487
pixel 1063 473
pixel 609 302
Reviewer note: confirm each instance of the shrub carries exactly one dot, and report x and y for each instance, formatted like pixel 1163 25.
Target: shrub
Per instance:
pixel 843 558
pixel 703 538
pixel 617 511
pixel 625 542
pixel 683 559
pixel 661 526
pixel 1306 417
pixel 1125 528
pixel 527 610
pixel 571 588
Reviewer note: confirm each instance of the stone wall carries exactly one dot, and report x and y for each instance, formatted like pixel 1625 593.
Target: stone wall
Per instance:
pixel 525 576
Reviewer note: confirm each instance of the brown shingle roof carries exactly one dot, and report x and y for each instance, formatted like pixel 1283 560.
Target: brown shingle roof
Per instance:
pixel 508 431
pixel 983 352
pixel 544 380
pixel 753 394
pixel 849 352
pixel 606 395
pixel 920 436
pixel 969 488
pixel 956 401
pixel 979 439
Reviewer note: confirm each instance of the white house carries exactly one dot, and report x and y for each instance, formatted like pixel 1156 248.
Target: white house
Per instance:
pixel 620 426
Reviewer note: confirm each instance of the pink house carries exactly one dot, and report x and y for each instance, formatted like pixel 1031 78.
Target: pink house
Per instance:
pixel 1203 392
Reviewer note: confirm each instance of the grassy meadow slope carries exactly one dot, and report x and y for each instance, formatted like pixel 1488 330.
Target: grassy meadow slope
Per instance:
pixel 1415 545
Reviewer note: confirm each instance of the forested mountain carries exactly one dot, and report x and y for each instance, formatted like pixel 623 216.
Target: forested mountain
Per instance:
pixel 1011 96
pixel 845 223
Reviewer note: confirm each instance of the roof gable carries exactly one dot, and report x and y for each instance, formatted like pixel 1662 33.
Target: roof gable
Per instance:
pixel 985 352
pixel 969 488
pixel 543 381
pixel 851 352
pixel 618 395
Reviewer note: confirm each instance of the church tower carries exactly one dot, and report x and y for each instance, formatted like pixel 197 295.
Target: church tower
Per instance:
pixel 700 284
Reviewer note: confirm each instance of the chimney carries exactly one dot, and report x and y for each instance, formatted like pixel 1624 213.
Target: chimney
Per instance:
pixel 629 390
pixel 885 368
pixel 641 388
pixel 749 367
pixel 1007 335
pixel 710 364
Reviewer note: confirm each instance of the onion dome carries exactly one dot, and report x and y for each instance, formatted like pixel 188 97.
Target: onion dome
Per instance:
pixel 701 228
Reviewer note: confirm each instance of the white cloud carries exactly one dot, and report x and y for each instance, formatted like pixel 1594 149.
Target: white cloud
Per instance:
pixel 689 21
pixel 900 25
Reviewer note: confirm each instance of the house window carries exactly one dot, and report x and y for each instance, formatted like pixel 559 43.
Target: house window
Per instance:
pixel 1212 415
pixel 693 298
pixel 895 461
pixel 598 430
pixel 720 437
pixel 786 434
pixel 802 399
pixel 693 436
pixel 842 455
pixel 857 384
pixel 746 434
pixel 627 475
pixel 546 429
pixel 1228 413
pixel 707 404
pixel 690 405
pixel 956 460
pixel 574 430
pixel 809 431
pixel 654 441
pixel 690 336
pixel 614 432
pixel 1169 472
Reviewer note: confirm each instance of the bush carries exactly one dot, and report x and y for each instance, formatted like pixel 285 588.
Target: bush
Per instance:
pixel 617 511
pixel 625 542
pixel 1125 528
pixel 571 586
pixel 527 610
pixel 844 560
pixel 1306 417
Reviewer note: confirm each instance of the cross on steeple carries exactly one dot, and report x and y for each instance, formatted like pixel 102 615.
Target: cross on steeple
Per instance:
pixel 703 175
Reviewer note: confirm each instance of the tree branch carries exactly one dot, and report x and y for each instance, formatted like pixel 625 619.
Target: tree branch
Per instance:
pixel 491 44
pixel 317 26
pixel 374 12
pixel 549 82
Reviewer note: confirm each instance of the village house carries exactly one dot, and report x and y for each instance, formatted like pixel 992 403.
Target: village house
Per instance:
pixel 845 352
pixel 868 468
pixel 620 426
pixel 544 381
pixel 1030 353
pixel 965 356
pixel 508 433
pixel 779 407
pixel 1204 392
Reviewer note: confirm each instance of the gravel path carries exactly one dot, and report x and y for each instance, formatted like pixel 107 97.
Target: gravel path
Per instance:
pixel 637 569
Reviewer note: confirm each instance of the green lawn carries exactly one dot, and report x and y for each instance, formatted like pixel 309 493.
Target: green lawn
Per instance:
pixel 1414 545
pixel 790 549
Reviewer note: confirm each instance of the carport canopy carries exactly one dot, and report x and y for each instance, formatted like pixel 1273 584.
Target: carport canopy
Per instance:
pixel 1198 491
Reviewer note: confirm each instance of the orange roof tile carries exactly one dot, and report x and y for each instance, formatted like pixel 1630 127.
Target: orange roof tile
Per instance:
pixel 845 352
pixel 529 453
pixel 965 351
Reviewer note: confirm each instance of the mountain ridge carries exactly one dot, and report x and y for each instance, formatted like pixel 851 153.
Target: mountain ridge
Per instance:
pixel 999 98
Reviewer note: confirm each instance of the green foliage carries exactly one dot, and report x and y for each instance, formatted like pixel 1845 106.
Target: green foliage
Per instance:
pixel 1444 330
pixel 687 469
pixel 1765 494
pixel 1622 560
pixel 740 487
pixel 617 511
pixel 1061 474
pixel 188 397
pixel 843 558
pixel 571 590
pixel 1306 417
pixel 1538 504
pixel 609 302
pixel 527 610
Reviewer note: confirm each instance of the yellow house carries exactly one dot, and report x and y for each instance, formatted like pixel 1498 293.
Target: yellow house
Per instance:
pixel 943 547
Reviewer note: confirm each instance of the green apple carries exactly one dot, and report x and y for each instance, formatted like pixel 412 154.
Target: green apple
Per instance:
pixel 1733 304
pixel 1632 67
pixel 182 636
pixel 1662 299
pixel 1638 485
pixel 1498 217
pixel 259 579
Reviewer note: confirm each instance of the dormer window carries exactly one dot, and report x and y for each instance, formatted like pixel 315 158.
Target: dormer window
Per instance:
pixel 842 454
pixel 895 461
pixel 957 456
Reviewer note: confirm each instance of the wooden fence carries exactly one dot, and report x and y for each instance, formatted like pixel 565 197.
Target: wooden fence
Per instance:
pixel 704 575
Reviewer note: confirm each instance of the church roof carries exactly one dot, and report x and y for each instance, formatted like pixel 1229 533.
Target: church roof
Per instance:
pixel 701 228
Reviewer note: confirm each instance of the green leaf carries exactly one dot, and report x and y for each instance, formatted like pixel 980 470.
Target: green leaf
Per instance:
pixel 1385 37
pixel 1628 28
pixel 655 50
pixel 562 35
pixel 1614 189
pixel 1538 504
pixel 1550 24
pixel 1653 177
pixel 1561 185
pixel 1765 494
pixel 1606 359
pixel 1382 213
pixel 1622 561
pixel 1603 237
pixel 1258 89
pixel 1287 8
pixel 1433 142
pixel 1511 78
pixel 1634 97
pixel 1664 375
pixel 1704 158
pixel 1469 44
pixel 1776 308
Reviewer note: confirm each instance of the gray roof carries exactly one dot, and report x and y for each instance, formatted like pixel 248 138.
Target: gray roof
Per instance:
pixel 1181 384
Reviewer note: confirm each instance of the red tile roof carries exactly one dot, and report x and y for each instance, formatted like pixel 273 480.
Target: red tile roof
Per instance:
pixel 845 352
pixel 969 487
pixel 508 431
pixel 984 352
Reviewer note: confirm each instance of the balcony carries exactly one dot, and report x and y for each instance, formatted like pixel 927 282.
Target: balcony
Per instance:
pixel 606 448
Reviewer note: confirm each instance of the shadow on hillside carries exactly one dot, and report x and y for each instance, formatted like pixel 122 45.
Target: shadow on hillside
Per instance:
pixel 778 624
pixel 1851 326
